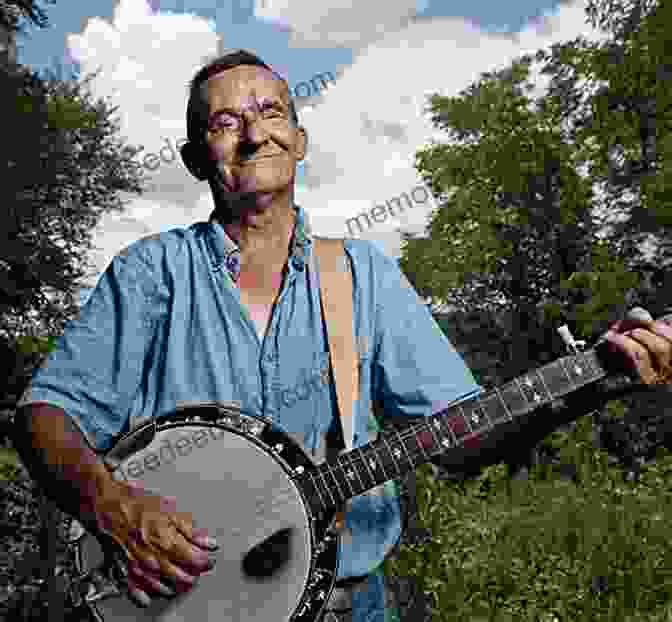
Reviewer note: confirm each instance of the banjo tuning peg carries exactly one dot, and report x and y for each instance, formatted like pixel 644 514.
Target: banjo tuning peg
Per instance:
pixel 572 345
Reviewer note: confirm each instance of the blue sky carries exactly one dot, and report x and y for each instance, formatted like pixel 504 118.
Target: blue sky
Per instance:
pixel 238 21
pixel 364 130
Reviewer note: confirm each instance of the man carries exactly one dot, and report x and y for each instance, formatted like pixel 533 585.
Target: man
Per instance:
pixel 226 310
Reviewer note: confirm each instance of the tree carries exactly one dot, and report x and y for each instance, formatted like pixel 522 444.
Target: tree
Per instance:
pixel 524 228
pixel 64 172
pixel 518 223
pixel 616 96
pixel 11 11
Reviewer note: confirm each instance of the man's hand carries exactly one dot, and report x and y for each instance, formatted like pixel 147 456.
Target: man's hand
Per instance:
pixel 641 346
pixel 165 551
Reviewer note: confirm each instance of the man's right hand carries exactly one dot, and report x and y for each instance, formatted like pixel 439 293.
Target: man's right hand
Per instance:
pixel 165 552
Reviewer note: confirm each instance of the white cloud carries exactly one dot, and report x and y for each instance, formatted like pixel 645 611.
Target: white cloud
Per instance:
pixel 336 22
pixel 363 133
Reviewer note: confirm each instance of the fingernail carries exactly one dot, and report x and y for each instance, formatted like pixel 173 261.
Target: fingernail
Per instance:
pixel 142 598
pixel 165 590
pixel 210 542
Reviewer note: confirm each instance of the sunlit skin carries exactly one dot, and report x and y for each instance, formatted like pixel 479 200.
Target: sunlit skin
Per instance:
pixel 253 149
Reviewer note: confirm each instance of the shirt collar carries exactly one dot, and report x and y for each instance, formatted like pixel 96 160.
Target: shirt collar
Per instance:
pixel 226 253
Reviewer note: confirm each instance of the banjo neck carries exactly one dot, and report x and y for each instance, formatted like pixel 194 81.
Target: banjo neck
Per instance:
pixel 329 485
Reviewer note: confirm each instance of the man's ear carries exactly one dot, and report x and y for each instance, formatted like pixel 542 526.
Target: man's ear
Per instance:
pixel 302 147
pixel 195 159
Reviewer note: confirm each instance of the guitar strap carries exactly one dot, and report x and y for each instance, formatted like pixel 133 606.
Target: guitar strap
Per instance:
pixel 337 310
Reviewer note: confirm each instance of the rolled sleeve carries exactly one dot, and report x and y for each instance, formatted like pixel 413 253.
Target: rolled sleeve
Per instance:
pixel 96 368
pixel 416 370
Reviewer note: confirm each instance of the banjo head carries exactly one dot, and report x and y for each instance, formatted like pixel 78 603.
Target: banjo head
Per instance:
pixel 236 476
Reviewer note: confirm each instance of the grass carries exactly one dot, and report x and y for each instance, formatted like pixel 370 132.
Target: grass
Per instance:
pixel 546 549
pixel 8 461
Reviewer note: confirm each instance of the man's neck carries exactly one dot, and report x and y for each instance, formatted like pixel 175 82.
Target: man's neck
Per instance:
pixel 262 236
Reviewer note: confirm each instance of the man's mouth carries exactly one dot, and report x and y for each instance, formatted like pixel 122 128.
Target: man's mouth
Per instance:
pixel 257 158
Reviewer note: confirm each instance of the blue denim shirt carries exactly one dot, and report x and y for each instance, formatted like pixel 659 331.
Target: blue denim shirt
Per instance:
pixel 165 325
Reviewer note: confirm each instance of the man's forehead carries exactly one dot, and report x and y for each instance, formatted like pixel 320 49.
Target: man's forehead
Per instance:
pixel 266 85
pixel 254 71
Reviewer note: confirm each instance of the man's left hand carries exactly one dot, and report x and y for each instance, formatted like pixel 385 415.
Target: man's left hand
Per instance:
pixel 642 346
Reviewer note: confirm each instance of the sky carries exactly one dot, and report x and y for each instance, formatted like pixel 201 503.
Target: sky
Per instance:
pixel 364 128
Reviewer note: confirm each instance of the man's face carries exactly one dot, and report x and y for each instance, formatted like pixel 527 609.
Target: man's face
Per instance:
pixel 250 136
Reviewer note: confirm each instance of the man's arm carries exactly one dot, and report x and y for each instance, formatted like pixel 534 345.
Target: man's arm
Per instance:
pixel 78 399
pixel 61 461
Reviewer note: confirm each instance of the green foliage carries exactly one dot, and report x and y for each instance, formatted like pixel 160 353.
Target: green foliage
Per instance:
pixel 523 229
pixel 53 207
pixel 597 292
pixel 502 550
pixel 12 11
pixel 8 464
pixel 30 344
pixel 518 215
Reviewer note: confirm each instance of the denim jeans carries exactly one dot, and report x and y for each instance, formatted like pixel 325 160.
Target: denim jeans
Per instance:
pixel 371 600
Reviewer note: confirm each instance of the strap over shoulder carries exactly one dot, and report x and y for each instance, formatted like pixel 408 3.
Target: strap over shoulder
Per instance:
pixel 336 298
pixel 335 277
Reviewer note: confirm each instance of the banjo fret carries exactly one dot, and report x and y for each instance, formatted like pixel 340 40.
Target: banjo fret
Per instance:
pixel 316 486
pixel 344 471
pixel 363 459
pixel 356 468
pixel 332 472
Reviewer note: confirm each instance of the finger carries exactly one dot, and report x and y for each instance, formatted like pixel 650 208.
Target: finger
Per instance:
pixel 148 582
pixel 623 326
pixel 137 595
pixel 163 554
pixel 178 548
pixel 662 328
pixel 635 356
pixel 184 524
pixel 659 349
pixel 658 345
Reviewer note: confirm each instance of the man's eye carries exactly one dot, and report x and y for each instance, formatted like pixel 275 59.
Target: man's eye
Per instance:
pixel 272 112
pixel 223 123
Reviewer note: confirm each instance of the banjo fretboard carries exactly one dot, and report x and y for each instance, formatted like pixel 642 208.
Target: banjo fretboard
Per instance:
pixel 394 454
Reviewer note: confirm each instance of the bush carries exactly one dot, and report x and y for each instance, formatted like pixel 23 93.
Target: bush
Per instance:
pixel 545 548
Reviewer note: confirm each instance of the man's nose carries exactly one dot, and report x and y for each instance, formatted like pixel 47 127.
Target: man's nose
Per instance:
pixel 253 131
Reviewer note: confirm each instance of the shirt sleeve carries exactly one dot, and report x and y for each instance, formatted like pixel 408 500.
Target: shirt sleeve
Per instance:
pixel 416 370
pixel 96 368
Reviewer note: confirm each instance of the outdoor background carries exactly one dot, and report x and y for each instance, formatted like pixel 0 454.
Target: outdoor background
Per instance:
pixel 543 134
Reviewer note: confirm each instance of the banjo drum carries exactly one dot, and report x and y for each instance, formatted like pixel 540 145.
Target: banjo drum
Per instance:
pixel 238 475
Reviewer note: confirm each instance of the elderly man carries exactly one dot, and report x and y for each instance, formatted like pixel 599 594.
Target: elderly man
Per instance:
pixel 224 310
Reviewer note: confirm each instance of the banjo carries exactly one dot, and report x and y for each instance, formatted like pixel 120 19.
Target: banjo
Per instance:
pixel 271 508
